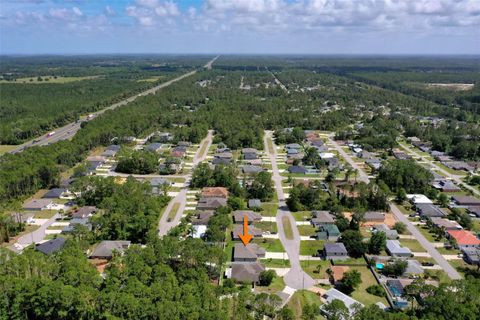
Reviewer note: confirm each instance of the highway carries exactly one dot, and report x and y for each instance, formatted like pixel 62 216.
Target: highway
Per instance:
pixel 69 130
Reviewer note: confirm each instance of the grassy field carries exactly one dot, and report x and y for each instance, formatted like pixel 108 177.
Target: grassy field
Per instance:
pixel 301 298
pixel 44 214
pixel 276 263
pixel 287 227
pixel 310 267
pixel 368 280
pixel 6 148
pixel 269 209
pixel 48 79
pixel 412 244
pixel 302 215
pixel 267 226
pixel 203 148
pixel 173 212
pixel 276 286
pixel 270 145
pixel 310 247
pixel 272 245
pixel 151 79
pixel 306 230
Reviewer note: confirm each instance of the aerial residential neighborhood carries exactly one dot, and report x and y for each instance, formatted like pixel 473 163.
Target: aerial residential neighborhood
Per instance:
pixel 231 160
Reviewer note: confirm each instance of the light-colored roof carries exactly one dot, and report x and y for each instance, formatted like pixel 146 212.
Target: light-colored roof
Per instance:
pixel 251 216
pixel 394 247
pixel 37 204
pixel 250 251
pixel 106 248
pixel 334 294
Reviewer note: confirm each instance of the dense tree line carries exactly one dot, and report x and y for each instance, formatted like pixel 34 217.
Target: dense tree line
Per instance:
pixel 407 175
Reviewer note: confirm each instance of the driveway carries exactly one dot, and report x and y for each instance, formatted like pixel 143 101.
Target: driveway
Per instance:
pixel 37 235
pixel 296 278
pixel 429 247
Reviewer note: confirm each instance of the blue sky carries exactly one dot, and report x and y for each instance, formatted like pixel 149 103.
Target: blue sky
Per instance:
pixel 240 26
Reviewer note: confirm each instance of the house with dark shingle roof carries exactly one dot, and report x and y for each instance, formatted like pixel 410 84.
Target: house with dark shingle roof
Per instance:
pixel 51 246
pixel 429 210
pixel 374 216
pixel 54 193
pixel 321 217
pixel 297 169
pixel 254 203
pixel 328 232
pixel 248 169
pixel 251 216
pixel 255 232
pixel 202 217
pixel 84 212
pixel 249 253
pixel 335 251
pixel 211 203
pixel 105 249
pixel 467 201
pixel 246 272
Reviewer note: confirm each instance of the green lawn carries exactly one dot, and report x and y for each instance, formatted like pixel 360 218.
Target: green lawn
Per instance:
pixel 302 215
pixel 267 226
pixel 352 261
pixel 310 267
pixel 425 231
pixel 272 245
pixel 287 228
pixel 44 214
pixel 462 267
pixel 173 212
pixel 276 263
pixel 277 285
pixel 301 298
pixel 269 209
pixel 368 280
pixel 306 230
pixel 412 244
pixel 310 247
pixel 270 145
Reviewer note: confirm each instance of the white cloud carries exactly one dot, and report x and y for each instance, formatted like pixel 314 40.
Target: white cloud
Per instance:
pixel 109 11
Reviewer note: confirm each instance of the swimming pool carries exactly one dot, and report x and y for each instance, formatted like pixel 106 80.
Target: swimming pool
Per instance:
pixel 379 266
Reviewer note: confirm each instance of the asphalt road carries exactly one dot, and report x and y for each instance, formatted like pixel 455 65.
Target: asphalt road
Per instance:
pixel 37 235
pixel 296 278
pixel 164 225
pixel 441 261
pixel 69 130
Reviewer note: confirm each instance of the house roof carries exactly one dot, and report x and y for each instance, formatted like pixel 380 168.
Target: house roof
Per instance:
pixel 159 181
pixel 153 146
pixel 37 204
pixel 214 192
pixel 466 200
pixel 429 210
pixel 211 203
pixel 84 212
pixel 251 216
pixel 251 230
pixel 322 217
pixel 334 294
pixel 418 198
pixel 334 247
pixel 447 224
pixel 374 216
pixel 475 210
pixel 51 246
pixel 250 251
pixel 394 247
pixel 106 248
pixel 249 150
pixel 297 169
pixel 251 169
pixel 224 155
pixel 254 203
pixel 331 229
pixel 464 238
pixel 113 147
pixel 202 217
pixel 54 193
pixel 246 271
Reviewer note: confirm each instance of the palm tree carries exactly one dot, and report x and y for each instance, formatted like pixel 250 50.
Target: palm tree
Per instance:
pixel 355 174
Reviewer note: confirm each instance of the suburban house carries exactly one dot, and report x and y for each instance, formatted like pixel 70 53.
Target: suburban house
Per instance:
pixel 395 249
pixel 471 255
pixel 335 251
pixel 416 199
pixel 446 186
pixel 254 203
pixel 458 165
pixel 39 204
pixel 334 294
pixel 211 204
pixel 77 221
pixel 51 246
pixel 364 154
pixel 445 224
pixel 249 253
pixel 55 193
pixel 466 201
pixel 297 169
pixel 111 151
pixel 223 155
pixel 374 216
pixel 158 184
pixel 293 146
pixel 255 232
pixel 374 163
pixel 474 211
pixel 249 169
pixel 429 210
pixel 245 272
pixel 400 155
pixel 83 212
pixel 217 161
pixel 391 234
pixel 463 238
pixel 105 249
pixel 238 216
pixel 321 217
pixel 249 153
pixel 202 217
pixel 155 147
pixel 328 232
pixel 214 192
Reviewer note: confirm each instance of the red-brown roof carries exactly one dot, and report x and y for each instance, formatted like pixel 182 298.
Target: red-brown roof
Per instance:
pixel 215 192
pixel 464 237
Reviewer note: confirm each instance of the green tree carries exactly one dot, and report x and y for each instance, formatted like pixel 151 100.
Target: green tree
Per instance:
pixel 350 281
pixel 353 241
pixel 377 242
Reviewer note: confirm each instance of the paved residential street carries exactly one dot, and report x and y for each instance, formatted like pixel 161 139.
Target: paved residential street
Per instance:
pixel 452 273
pixel 164 226
pixel 296 278
pixel 37 235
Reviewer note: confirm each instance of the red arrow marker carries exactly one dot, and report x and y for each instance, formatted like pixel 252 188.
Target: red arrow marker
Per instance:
pixel 245 237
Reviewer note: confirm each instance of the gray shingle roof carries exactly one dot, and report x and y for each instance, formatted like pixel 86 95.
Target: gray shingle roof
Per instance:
pixel 51 246
pixel 106 248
